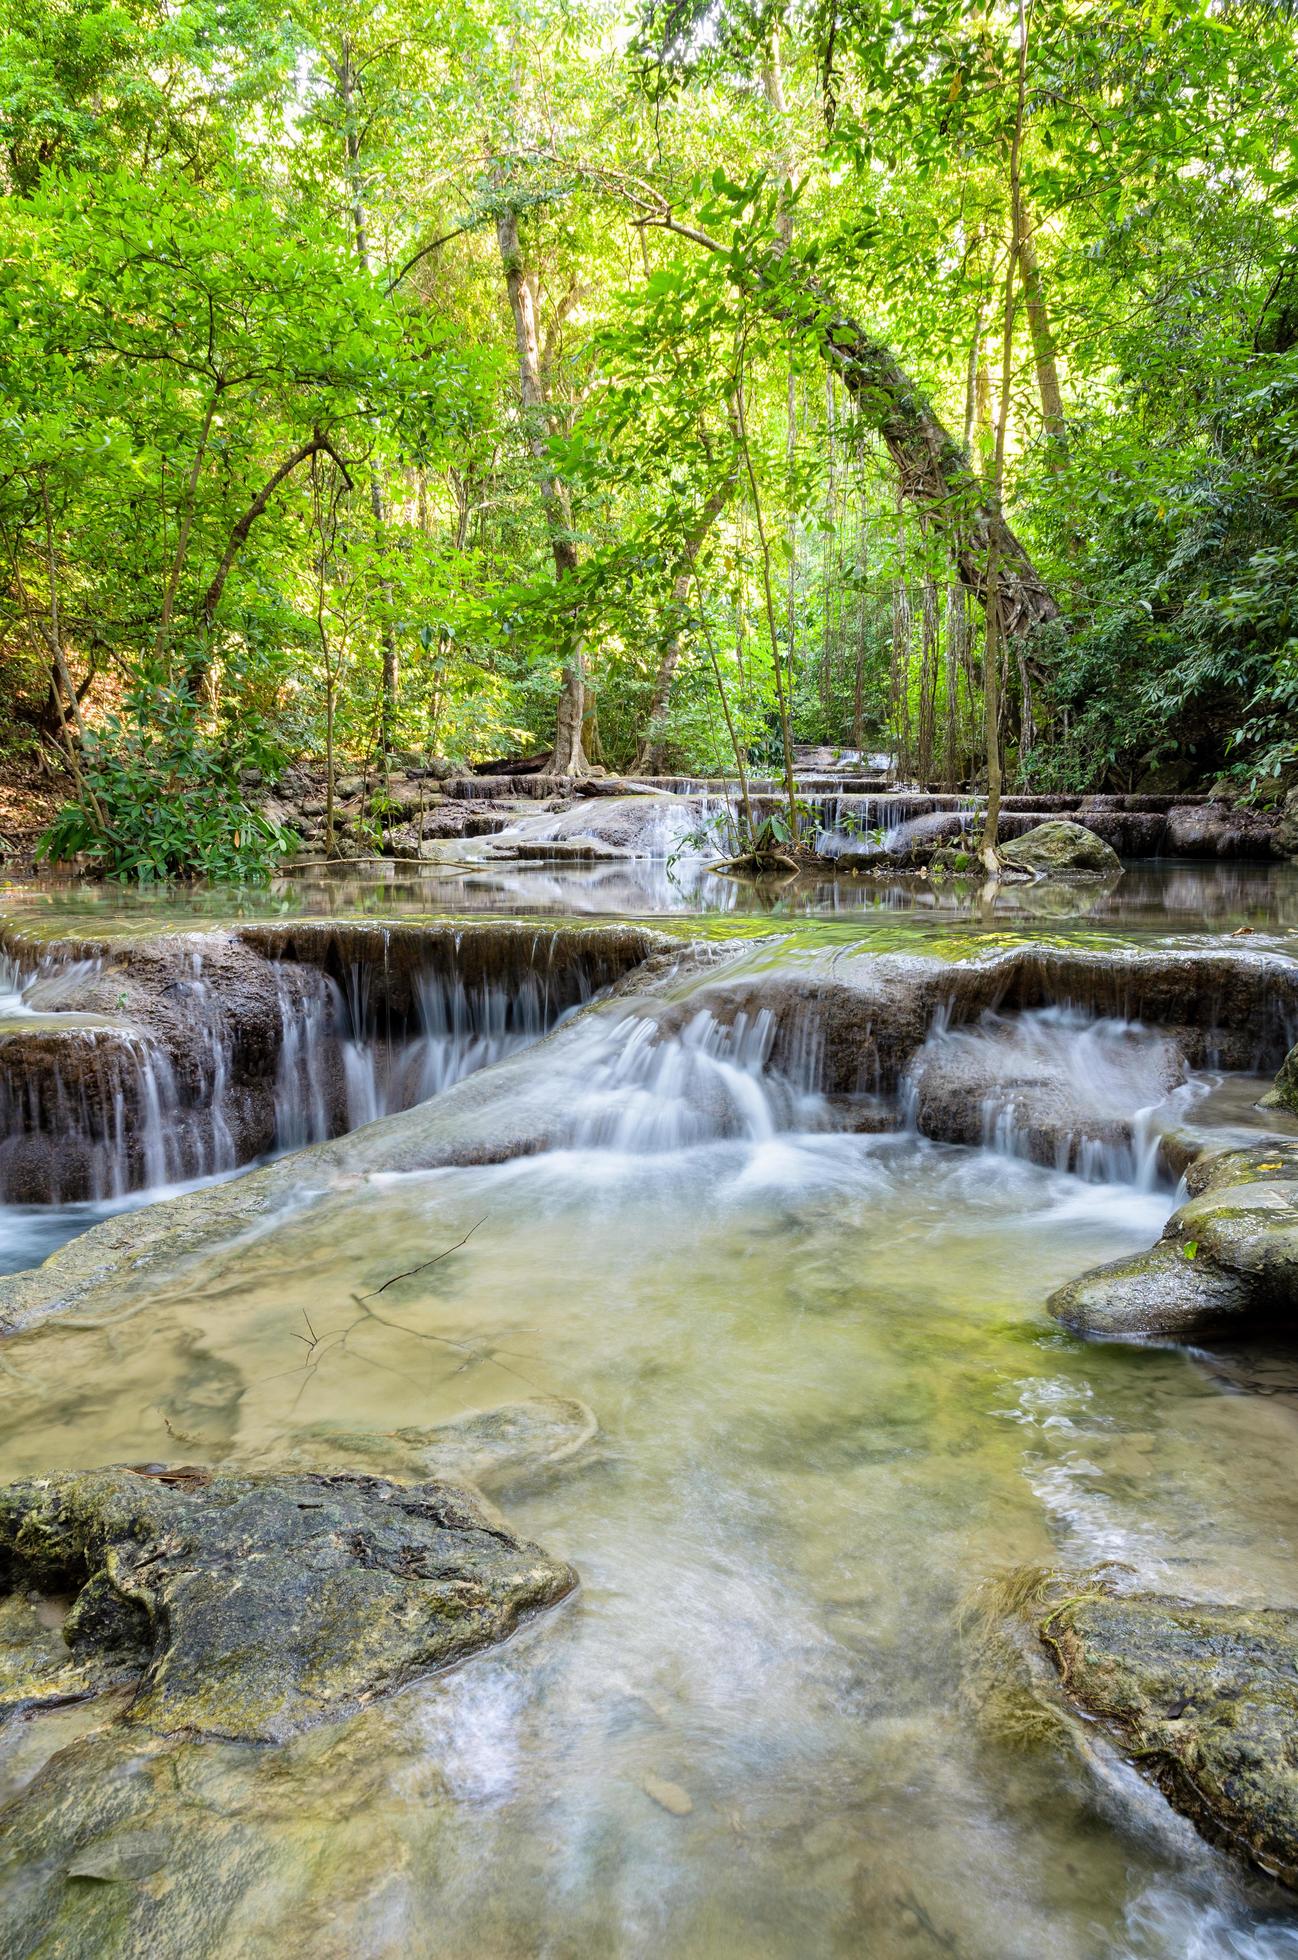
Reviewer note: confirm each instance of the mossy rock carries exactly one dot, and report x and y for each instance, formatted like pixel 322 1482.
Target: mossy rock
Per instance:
pixel 1204 1698
pixel 1285 1093
pixel 252 1607
pixel 1060 848
pixel 1227 1262
pixel 948 861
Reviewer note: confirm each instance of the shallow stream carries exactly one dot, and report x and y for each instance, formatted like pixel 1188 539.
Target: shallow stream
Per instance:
pixel 832 1412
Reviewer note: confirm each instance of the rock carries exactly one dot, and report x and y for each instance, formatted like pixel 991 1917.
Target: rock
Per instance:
pixel 1165 778
pixel 253 1607
pixel 1205 1700
pixel 1227 1261
pixel 1157 1294
pixel 1060 846
pixel 1054 1093
pixel 1285 1093
pixel 1284 838
pixel 668 1795
pixel 1218 830
pixel 488 1448
pixel 402 842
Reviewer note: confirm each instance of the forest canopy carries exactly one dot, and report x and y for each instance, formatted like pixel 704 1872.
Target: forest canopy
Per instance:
pixel 643 386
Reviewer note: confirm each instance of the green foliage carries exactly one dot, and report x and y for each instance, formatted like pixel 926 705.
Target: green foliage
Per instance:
pixel 263 429
pixel 161 799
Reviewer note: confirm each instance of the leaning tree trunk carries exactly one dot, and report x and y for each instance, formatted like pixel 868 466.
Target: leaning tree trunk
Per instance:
pixel 935 472
pixel 569 757
pixel 932 466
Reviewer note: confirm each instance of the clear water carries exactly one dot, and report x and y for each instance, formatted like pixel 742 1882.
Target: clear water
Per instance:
pixel 831 1409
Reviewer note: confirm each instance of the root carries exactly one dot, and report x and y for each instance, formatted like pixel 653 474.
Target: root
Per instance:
pixel 759 864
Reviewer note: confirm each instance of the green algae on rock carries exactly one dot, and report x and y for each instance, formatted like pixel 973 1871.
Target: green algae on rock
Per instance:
pixel 1204 1698
pixel 252 1607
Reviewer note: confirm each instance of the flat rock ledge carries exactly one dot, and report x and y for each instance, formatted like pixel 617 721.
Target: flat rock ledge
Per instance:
pixel 1203 1698
pixel 1227 1262
pixel 253 1607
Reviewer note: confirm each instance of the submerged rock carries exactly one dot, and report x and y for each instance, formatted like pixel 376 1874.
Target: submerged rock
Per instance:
pixel 1227 1261
pixel 252 1607
pixel 1205 1700
pixel 1060 846
pixel 488 1448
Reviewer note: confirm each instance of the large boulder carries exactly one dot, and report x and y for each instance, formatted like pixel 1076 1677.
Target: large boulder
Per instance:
pixel 1218 830
pixel 1060 847
pixel 1203 1697
pixel 253 1607
pixel 1227 1262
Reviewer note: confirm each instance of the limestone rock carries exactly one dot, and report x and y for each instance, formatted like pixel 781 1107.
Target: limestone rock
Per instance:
pixel 1060 846
pixel 1285 1093
pixel 1227 1261
pixel 1159 1294
pixel 1284 838
pixel 253 1607
pixel 1204 1697
pixel 488 1448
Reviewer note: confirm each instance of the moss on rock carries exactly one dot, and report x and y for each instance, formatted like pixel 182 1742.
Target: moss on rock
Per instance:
pixel 1227 1261
pixel 1203 1697
pixel 1285 1093
pixel 1060 847
pixel 255 1606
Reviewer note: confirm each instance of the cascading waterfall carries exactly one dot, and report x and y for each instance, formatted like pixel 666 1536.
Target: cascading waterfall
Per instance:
pixel 342 1064
pixel 641 1091
pixel 1055 1086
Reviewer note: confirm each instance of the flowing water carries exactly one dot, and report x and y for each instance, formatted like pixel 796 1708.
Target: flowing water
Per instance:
pixel 832 1412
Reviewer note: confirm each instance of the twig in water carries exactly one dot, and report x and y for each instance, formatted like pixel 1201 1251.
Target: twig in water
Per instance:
pixel 415 1269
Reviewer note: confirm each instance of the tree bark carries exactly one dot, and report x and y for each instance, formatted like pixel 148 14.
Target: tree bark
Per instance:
pixel 569 757
pixel 998 628
pixel 317 444
pixel 1043 353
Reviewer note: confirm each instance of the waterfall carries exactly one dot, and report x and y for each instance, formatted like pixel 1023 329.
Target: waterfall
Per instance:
pixel 642 1091
pixel 344 1060
pixel 1053 1086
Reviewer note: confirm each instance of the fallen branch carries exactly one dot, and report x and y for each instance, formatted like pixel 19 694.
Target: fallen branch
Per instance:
pixel 434 1261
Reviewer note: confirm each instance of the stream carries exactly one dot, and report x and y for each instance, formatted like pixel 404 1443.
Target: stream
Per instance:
pixel 832 1413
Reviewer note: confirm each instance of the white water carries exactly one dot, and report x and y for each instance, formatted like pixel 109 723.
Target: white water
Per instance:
pixel 1104 1089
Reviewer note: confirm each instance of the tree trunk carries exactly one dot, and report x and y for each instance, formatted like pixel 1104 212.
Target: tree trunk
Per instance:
pixel 1043 353
pixel 346 77
pixel 934 472
pixel 933 468
pixel 569 757
pixel 649 754
pixel 998 628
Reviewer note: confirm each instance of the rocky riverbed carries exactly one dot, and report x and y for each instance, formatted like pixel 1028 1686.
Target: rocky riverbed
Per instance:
pixel 723 1268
